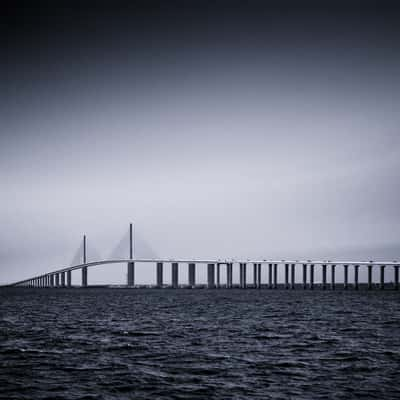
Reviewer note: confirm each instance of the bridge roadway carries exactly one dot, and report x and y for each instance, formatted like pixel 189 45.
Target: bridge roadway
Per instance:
pixel 52 279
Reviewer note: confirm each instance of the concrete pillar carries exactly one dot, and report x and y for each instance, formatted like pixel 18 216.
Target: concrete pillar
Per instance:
pixel 275 276
pixel 286 276
pixel 84 277
pixel 131 274
pixel 312 276
pixel 63 279
pixel 356 277
pixel 174 275
pixel 270 276
pixel 192 274
pixel 244 275
pixel 159 274
pixel 52 280
pixel 293 276
pixel 211 276
pixel 259 276
pixel 69 278
pixel 382 286
pixel 304 276
pixel 346 276
pixel 255 274
pixel 396 277
pixel 218 276
pixel 57 280
pixel 324 277
pixel 369 277
pixel 333 276
pixel 229 274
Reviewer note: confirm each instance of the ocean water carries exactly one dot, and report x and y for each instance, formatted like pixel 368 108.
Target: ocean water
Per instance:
pixel 199 344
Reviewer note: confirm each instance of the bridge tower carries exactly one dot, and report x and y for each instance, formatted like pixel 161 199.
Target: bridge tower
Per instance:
pixel 84 268
pixel 131 264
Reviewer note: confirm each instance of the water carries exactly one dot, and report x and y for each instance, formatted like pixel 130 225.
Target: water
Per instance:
pixel 204 344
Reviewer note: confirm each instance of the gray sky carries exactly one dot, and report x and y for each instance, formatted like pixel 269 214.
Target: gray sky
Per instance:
pixel 248 142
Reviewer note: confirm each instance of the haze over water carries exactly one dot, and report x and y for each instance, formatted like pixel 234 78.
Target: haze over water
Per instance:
pixel 223 129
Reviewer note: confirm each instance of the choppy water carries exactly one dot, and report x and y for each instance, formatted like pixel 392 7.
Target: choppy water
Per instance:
pixel 205 344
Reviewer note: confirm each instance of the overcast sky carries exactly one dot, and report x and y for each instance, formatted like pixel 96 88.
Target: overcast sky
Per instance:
pixel 221 130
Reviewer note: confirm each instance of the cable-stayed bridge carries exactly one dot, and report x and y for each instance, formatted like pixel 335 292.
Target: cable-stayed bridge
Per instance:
pixel 62 277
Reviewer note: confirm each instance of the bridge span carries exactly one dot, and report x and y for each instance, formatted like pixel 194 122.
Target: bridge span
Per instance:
pixel 61 277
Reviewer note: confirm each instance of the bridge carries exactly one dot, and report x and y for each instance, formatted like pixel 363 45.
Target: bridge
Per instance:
pixel 62 277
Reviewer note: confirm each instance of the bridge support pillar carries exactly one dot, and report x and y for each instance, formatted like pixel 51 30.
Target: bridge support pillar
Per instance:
pixel 131 274
pixel 63 279
pixel 255 274
pixel 312 276
pixel 259 276
pixel 218 276
pixel 269 276
pixel 369 277
pixel 229 275
pixel 356 277
pixel 57 280
pixel 211 276
pixel 333 277
pixel 396 277
pixel 174 275
pixel 293 276
pixel 275 276
pixel 304 276
pixel 69 278
pixel 192 275
pixel 382 286
pixel 324 277
pixel 52 280
pixel 84 277
pixel 346 276
pixel 160 274
pixel 286 276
